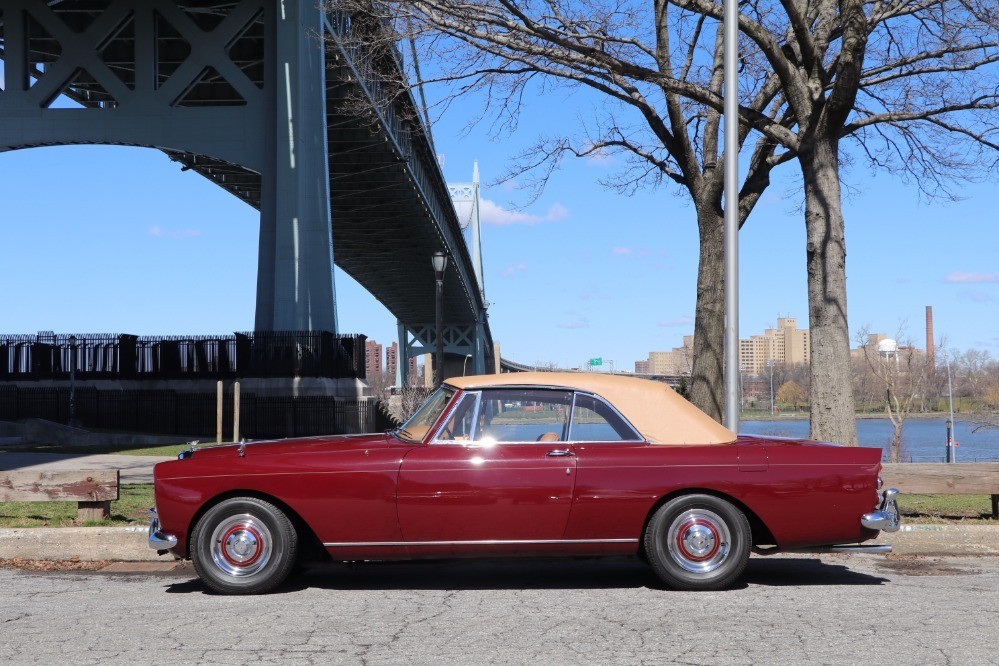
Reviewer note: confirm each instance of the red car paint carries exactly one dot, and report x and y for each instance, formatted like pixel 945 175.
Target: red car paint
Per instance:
pixel 381 497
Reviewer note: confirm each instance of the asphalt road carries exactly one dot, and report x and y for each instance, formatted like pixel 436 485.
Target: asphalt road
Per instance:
pixel 835 609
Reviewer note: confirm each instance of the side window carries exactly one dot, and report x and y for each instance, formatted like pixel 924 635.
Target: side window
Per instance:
pixel 524 415
pixel 593 420
pixel 458 426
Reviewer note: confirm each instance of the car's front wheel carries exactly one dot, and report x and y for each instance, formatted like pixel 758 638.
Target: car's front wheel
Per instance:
pixel 243 545
pixel 698 542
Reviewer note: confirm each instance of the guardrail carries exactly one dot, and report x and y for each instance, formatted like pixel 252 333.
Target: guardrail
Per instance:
pixel 945 479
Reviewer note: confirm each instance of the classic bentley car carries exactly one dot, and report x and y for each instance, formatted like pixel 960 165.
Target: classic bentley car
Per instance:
pixel 526 464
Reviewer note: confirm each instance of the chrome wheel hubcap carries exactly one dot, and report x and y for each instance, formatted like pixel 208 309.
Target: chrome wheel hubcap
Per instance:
pixel 241 545
pixel 698 540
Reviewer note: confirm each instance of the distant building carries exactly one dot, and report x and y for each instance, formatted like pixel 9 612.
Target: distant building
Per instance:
pixel 787 344
pixel 372 358
pixel 392 362
pixel 677 361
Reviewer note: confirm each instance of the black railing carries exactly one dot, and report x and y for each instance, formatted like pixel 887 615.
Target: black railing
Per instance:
pixel 193 414
pixel 113 356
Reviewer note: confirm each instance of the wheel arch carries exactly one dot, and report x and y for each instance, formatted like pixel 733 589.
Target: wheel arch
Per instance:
pixel 309 544
pixel 759 532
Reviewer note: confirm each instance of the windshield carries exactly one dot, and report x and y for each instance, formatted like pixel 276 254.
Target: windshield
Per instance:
pixel 415 429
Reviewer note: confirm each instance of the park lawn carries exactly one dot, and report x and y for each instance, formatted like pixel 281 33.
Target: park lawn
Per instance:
pixel 944 508
pixel 137 499
pixel 131 507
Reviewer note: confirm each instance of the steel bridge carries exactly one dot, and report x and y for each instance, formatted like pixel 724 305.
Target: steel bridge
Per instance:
pixel 282 104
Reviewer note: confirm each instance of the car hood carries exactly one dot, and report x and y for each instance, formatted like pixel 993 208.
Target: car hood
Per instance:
pixel 320 444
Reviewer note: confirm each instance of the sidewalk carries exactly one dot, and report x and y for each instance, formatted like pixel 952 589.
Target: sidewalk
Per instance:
pixel 134 469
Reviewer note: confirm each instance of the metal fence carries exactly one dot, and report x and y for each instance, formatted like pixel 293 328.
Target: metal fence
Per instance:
pixel 194 414
pixel 122 356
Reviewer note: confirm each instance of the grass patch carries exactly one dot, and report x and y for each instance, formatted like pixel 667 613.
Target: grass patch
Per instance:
pixel 131 507
pixel 944 508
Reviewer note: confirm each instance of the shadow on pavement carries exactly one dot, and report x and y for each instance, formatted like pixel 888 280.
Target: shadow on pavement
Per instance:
pixel 541 574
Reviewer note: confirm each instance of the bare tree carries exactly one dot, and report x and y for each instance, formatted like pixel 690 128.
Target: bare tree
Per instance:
pixel 902 373
pixel 912 83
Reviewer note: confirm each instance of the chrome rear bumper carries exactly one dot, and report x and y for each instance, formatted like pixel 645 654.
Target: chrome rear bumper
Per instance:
pixel 886 517
pixel 158 540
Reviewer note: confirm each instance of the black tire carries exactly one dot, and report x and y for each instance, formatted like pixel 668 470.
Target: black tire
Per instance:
pixel 243 545
pixel 698 542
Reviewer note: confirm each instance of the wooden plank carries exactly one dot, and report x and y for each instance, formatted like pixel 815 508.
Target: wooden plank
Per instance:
pixel 83 486
pixel 943 478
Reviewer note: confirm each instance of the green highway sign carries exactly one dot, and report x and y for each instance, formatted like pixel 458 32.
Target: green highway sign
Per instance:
pixel 596 361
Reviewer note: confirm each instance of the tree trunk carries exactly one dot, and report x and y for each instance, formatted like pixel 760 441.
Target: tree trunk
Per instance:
pixel 831 396
pixel 707 374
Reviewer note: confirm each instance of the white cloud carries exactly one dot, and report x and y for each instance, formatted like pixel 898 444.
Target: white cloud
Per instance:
pixel 679 321
pixel 576 321
pixel 492 214
pixel 495 215
pixel 594 294
pixel 621 251
pixel 177 234
pixel 557 212
pixel 961 277
pixel 519 267
pixel 575 324
pixel 978 296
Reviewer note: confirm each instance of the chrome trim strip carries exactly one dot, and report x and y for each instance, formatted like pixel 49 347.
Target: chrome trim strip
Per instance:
pixel 862 548
pixel 486 542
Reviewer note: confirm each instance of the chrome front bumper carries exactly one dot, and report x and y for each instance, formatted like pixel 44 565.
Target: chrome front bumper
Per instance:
pixel 159 540
pixel 885 518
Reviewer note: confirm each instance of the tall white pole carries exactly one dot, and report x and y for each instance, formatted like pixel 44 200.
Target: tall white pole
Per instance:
pixel 731 92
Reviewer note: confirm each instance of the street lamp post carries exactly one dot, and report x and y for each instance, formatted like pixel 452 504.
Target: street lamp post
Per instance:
pixel 464 364
pixel 440 265
pixel 72 380
pixel 950 421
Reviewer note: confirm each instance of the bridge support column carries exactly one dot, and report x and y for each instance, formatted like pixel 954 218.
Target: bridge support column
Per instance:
pixel 460 342
pixel 402 362
pixel 295 271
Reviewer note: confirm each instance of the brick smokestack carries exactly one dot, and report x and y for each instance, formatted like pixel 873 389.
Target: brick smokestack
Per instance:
pixel 929 337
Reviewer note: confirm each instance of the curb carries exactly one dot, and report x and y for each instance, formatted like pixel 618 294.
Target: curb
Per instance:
pixel 129 544
pixel 88 544
pixel 943 540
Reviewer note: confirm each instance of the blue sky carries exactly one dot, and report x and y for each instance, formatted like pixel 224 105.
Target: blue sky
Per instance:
pixel 113 239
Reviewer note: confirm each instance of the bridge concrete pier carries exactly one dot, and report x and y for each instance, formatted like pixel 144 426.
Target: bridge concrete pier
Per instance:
pixel 295 268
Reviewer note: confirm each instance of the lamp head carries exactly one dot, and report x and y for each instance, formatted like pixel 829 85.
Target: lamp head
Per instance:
pixel 440 264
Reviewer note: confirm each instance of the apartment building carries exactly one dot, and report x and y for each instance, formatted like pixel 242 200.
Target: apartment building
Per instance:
pixel 787 344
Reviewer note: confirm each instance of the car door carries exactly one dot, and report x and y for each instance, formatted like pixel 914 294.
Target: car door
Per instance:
pixel 498 470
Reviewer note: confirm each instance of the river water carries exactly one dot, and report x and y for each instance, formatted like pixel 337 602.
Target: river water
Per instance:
pixel 923 440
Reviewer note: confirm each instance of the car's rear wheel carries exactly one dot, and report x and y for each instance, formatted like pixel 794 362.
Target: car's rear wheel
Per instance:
pixel 243 545
pixel 698 542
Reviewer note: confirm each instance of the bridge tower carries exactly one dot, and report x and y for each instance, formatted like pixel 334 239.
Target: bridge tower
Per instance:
pixel 235 91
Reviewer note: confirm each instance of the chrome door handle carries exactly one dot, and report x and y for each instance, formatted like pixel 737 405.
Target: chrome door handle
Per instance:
pixel 560 453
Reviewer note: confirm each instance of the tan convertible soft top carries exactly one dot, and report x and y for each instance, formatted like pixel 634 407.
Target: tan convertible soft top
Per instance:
pixel 659 414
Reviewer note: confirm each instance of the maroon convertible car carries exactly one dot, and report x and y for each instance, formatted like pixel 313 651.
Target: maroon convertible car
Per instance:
pixel 521 464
